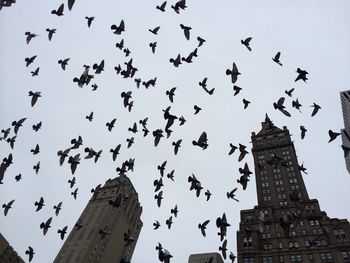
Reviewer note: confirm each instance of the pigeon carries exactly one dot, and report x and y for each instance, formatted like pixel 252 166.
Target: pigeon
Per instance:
pixel 46 225
pixel 171 175
pixel 195 184
pixel 301 75
pixel 246 103
pixel 203 227
pixel 174 211
pixel 196 109
pixel 186 30
pixel 74 193
pixel 18 124
pixel 161 168
pixel 159 198
pixel 30 60
pixel 59 11
pixel 84 77
pixel 30 253
pixel 130 141
pixel 115 152
pixel 37 167
pixel 223 248
pixel 63 63
pixel 18 177
pixel 177 61
pixel 171 94
pixel 71 182
pixel 157 134
pixel 233 73
pixel 246 43
pixel 6 133
pixel 133 129
pixel 58 207
pixel 158 184
pixel 118 29
pixel 39 204
pixel 279 106
pixel 161 7
pixel 110 125
pixel 181 4
pixel 316 109
pixel 169 222
pixel 202 141
pixel 154 30
pixel 302 168
pixel 276 58
pixel 62 232
pixel 11 141
pixel 63 155
pixel 156 225
pixel 176 145
pixel 7 207
pixel 76 142
pixel 35 72
pixel 153 46
pixel 289 92
pixel 99 67
pixel 233 148
pixel 232 257
pixel 221 223
pixel 90 117
pixel 201 41
pixel 236 89
pixel 89 20
pixel 37 127
pixel 182 120
pixel 231 194
pixel 208 194
pixel 303 131
pixel 30 36
pixel 36 150
pixel 296 104
pixel 50 33
pixel 243 180
pixel 70 4
pixel 332 135
pixel 35 96
pixel 74 161
pixel 126 97
pixel 243 152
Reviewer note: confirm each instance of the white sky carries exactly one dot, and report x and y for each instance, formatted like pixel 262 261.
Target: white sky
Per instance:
pixel 312 35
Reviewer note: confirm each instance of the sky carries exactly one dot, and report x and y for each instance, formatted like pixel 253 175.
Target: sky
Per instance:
pixel 312 35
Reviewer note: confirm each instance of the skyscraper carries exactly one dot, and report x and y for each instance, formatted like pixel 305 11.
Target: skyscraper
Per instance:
pixel 108 228
pixel 286 225
pixel 213 257
pixel 345 133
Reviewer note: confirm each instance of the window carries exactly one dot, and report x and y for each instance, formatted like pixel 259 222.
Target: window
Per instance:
pixel 310 257
pixel 340 235
pixel 248 260
pixel 346 254
pixel 296 258
pixel 310 209
pixel 326 256
pixel 280 245
pixel 267 259
pixel 314 222
pixel 281 258
pixel 247 242
pixel 249 218
pixel 268 246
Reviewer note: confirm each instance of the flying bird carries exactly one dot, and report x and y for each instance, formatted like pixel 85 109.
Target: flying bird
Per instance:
pixel 58 11
pixel 30 253
pixel 171 175
pixel 332 135
pixel 208 194
pixel 232 149
pixel 202 141
pixel 156 225
pixel 50 33
pixel 201 41
pixel 171 94
pixel 74 161
pixel 76 142
pixel 301 75
pixel 58 207
pixel 35 96
pixel 245 103
pixel 236 90
pixel 115 152
pixel 110 125
pixel 196 109
pixel 276 58
pixel 46 225
pixel 70 4
pixel 161 7
pixel 89 20
pixel 169 222
pixel 35 72
pixel 157 134
pixel 63 63
pixel 174 211
pixel 296 104
pixel 176 145
pixel 279 106
pixel 154 30
pixel 233 73
pixel 62 232
pixel 316 109
pixel 30 36
pixel 118 29
pixel 246 43
pixel 177 61
pixel 36 150
pixel 186 30
pixel 63 155
pixel 71 182
pixel 303 131
pixel 29 60
pixel 153 46
pixel 289 92
pixel 39 204
pixel 223 248
pixel 37 167
pixel 232 195
pixel 203 227
pixel 74 193
pixel 7 207
pixel 159 198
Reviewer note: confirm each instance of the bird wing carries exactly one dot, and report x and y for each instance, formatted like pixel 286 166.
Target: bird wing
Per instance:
pixel 70 4
pixel 60 9
pixel 277 57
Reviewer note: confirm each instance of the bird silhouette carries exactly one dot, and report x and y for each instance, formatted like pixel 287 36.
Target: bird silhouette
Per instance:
pixel 203 227
pixel 236 90
pixel 232 149
pixel 130 141
pixel 177 61
pixel 63 63
pixel 37 167
pixel 223 248
pixel 174 211
pixel 58 11
pixel 57 208
pixel 7 207
pixel 186 30
pixel 181 4
pixel 115 152
pixel 157 134
pixel 110 125
pixel 316 109
pixel 35 72
pixel 222 224
pixel 30 253
pixel 76 142
pixel 75 193
pixel 208 194
pixel 35 96
pixel 169 222
pixel 29 60
pixel 201 41
pixel 245 103
pixel 156 225
pixel 159 198
pixel 39 205
pixel 90 117
pixel 46 225
pixel 63 155
pixel 176 145
pixel 62 232
pixel 89 20
pixel 30 36
pixel 118 29
pixel 332 135
pixel 171 94
pixel 233 73
pixel 50 32
pixel 161 7
pixel 301 75
pixel 232 257
pixel 154 30
pixel 196 109
pixel 202 141
pixel 246 43
pixel 37 127
pixel 171 175
pixel 71 182
pixel 279 106
pixel 276 58
pixel 36 150
pixel 232 195
pixel 296 104
pixel 289 92
pixel 303 131
pixel 74 161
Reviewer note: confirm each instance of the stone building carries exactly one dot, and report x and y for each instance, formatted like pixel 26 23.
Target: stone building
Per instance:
pixel 7 253
pixel 345 133
pixel 286 225
pixel 108 228
pixel 213 257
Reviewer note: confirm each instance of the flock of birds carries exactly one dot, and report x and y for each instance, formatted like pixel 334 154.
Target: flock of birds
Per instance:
pixel 72 156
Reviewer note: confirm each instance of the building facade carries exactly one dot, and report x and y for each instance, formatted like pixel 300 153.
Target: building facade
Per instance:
pixel 206 258
pixel 286 225
pixel 7 253
pixel 345 133
pixel 108 228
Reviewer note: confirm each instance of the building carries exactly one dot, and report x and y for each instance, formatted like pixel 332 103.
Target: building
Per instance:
pixel 7 254
pixel 345 133
pixel 108 228
pixel 205 258
pixel 286 225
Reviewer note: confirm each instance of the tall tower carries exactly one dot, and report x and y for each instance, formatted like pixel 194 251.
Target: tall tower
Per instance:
pixel 108 228
pixel 286 225
pixel 345 133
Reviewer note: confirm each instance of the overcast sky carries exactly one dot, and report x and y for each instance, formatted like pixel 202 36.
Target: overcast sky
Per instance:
pixel 311 35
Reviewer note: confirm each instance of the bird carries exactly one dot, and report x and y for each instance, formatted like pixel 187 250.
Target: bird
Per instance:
pixel 126 52
pixel 133 129
pixel 71 182
pixel 174 211
pixel 90 116
pixel 171 175
pixel 176 145
pixel 35 72
pixel 39 204
pixel 302 168
pixel 233 73
pixel 89 20
pixel 196 109
pixel 169 222
pixel 50 33
pixel 62 232
pixel 37 127
pixel 126 97
pixel 296 104
pixel 243 152
pixel 156 225
pixel 30 253
pixel 153 46
pixel 245 103
pixel 36 150
pixel 316 109
pixel 279 106
pixel 202 141
pixel 161 7
pixel 11 141
pixel 208 194
pixel 99 67
pixel 154 30
pixel 110 125
pixel 63 63
pixel 70 4
pixel 6 133
pixel 29 60
pixel 59 11
pixel 232 257
pixel 161 168
pixel 57 208
pixel 203 227
pixel 303 131
pixel 37 167
pixel 182 120
pixel 76 142
pixel 289 92
pixel 158 184
pixel 276 58
pixel 171 94
pixel 63 155
pixel 84 77
pixel 115 151
pixel 195 184
pixel 223 248
pixel 301 75
pixel 30 36
pixel 201 41
pixel 236 89
pixel 186 30
pixel 18 177
pixel 181 4
pixel 46 225
pixel 231 194
pixel 332 135
pixel 7 207
pixel 118 29
pixel 130 141
pixel 203 83
pixel 233 148
pixel 74 161
pixel 35 96
pixel 177 61
pixel 246 43
pixel 159 198
pixel 157 134
pixel 74 193
pixel 243 180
